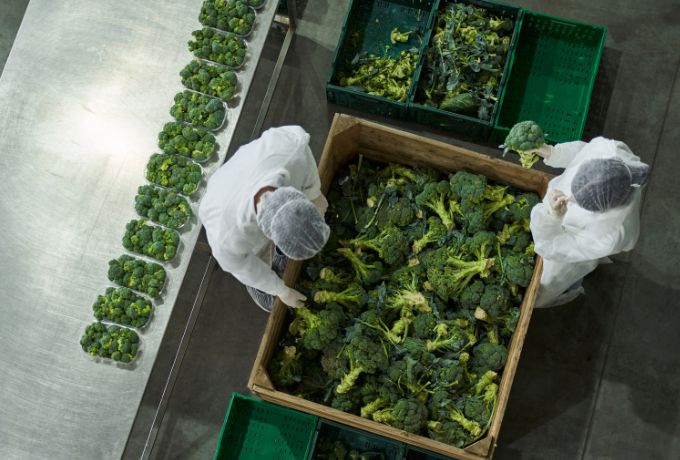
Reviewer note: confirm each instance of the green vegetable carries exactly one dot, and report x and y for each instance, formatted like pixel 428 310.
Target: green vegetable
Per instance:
pixel 228 15
pixel 198 110
pixel 399 37
pixel 122 306
pixel 524 137
pixel 464 62
pixel 220 48
pixel 162 206
pixel 147 277
pixel 110 341
pixel 179 139
pixel 212 79
pixel 413 300
pixel 383 76
pixel 174 172
pixel 157 242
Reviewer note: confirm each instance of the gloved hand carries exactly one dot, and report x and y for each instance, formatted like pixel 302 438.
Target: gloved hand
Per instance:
pixel 321 204
pixel 293 298
pixel 544 151
pixel 558 203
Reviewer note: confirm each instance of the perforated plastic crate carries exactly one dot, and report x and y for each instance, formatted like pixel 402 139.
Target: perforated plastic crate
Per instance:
pixel 373 446
pixel 467 125
pixel 367 29
pixel 552 77
pixel 256 430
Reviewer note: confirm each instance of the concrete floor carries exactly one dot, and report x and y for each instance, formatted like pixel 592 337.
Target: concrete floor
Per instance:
pixel 598 378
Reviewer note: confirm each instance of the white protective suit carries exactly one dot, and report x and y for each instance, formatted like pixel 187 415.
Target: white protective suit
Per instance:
pixel 280 157
pixel 574 244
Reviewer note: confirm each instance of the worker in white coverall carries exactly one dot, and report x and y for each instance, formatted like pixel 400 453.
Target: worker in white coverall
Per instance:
pixel 263 206
pixel 589 212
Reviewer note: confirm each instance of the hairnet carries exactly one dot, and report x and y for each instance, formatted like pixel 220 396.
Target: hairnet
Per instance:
pixel 606 183
pixel 292 222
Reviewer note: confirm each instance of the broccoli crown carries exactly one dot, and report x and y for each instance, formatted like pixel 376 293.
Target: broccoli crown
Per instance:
pixel 390 244
pixel 367 273
pixel 489 356
pixel 435 232
pixel 285 368
pixel 364 356
pixel 436 196
pixel 318 329
pixel 467 187
pixel 518 269
pixel 162 206
pixel 406 414
pixel 176 173
pixel 524 136
pixel 494 301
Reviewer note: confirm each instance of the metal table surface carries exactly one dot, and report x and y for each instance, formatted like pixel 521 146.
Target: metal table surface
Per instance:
pixel 85 91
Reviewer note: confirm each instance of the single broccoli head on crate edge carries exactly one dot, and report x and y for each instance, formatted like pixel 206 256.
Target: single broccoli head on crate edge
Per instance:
pixel 523 138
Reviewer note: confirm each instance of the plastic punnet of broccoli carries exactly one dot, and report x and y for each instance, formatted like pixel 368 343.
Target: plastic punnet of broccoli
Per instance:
pixel 174 172
pixel 122 306
pixel 157 242
pixel 127 271
pixel 179 139
pixel 212 79
pixel 110 341
pixel 198 110
pixel 162 206
pixel 225 49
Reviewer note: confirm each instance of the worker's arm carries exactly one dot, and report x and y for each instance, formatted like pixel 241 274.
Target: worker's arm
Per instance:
pixel 560 155
pixel 555 241
pixel 251 271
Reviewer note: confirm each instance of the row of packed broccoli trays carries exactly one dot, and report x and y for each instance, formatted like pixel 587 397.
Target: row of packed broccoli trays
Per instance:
pixel 175 175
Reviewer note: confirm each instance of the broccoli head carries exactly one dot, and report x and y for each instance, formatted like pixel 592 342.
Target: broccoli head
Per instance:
pixel 390 244
pixel 436 196
pixel 285 368
pixel 367 273
pixel 352 296
pixel 406 414
pixel 364 356
pixel 317 329
pixel 524 137
pixel 489 356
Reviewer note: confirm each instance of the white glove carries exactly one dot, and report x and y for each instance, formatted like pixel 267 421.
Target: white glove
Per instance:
pixel 293 298
pixel 558 203
pixel 544 151
pixel 321 204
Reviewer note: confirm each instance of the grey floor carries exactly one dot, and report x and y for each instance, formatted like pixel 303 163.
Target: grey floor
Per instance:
pixel 598 378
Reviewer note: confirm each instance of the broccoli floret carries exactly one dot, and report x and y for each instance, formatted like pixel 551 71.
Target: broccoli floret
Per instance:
pixel 352 296
pixel 467 187
pixel 518 269
pixel 367 273
pixel 449 374
pixel 390 244
pixel 395 213
pixel 436 196
pixel 406 414
pixel 471 295
pixel 417 349
pixel 394 335
pixel 448 281
pixel 423 325
pixel 317 329
pixel 454 335
pixel 364 356
pixel 285 368
pixel 407 299
pixel 334 277
pixel 448 432
pixel 408 375
pixel 524 137
pixel 436 230
pixel 493 302
pixel 489 356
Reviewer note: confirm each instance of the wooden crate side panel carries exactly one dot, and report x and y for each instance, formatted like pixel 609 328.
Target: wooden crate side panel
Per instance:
pixel 355 421
pixel 388 144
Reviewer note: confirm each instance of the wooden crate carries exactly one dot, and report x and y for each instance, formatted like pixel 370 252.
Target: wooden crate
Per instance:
pixel 348 137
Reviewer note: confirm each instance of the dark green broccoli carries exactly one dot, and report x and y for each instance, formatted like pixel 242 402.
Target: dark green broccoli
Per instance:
pixel 448 374
pixel 157 242
pixel 489 356
pixel 352 296
pixel 215 80
pixel 285 368
pixel 423 325
pixel 493 302
pixel 471 295
pixel 179 139
pixel 518 269
pixel 317 329
pixel 436 196
pixel 406 414
pixel 229 15
pixel 122 306
pixel 162 206
pixel 220 48
pixel 448 432
pixel 364 356
pixel 147 277
pixel 448 281
pixel 174 172
pixel 395 212
pixel 394 334
pixel 467 187
pixel 408 375
pixel 390 244
pixel 522 206
pixel 110 341
pixel 198 110
pixel 455 335
pixel 436 230
pixel 417 349
pixel 336 277
pixel 367 273
pixel 524 137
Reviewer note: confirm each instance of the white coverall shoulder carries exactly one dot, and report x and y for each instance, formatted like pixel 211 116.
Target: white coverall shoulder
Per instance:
pixel 281 157
pixel 574 244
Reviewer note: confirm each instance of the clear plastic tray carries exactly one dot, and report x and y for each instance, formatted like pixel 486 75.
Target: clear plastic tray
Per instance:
pixel 108 361
pixel 212 130
pixel 141 328
pixel 200 162
pixel 246 35
pixel 153 259
pixel 198 186
pixel 245 44
pixel 237 89
pixel 161 291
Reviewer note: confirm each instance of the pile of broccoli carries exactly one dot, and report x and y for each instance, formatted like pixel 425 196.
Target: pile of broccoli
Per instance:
pixel 162 206
pixel 388 77
pixel 147 277
pixel 523 138
pixel 413 301
pixel 109 341
pixel 198 110
pixel 328 449
pixel 174 172
pixel 228 15
pixel 212 79
pixel 122 306
pixel 179 139
pixel 157 242
pixel 218 47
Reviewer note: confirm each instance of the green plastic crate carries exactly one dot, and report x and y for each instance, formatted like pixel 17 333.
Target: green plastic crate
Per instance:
pixel 357 439
pixel 367 28
pixel 256 430
pixel 552 77
pixel 466 125
pixel 413 453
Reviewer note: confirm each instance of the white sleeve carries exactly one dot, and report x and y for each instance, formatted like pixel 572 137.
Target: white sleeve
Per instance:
pixel 251 271
pixel 556 242
pixel 312 185
pixel 562 154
